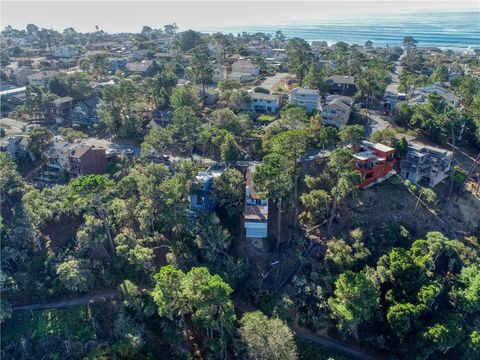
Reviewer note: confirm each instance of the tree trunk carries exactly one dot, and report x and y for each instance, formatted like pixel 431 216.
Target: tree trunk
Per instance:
pixel 332 215
pixel 295 208
pixel 103 216
pixel 279 223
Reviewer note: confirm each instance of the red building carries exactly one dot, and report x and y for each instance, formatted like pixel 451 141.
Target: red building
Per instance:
pixel 375 163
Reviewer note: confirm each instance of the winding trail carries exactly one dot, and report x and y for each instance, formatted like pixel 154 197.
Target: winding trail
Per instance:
pixel 333 344
pixel 98 296
pixel 241 306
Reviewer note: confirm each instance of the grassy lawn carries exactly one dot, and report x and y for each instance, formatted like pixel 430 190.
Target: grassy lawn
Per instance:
pixel 459 175
pixel 266 118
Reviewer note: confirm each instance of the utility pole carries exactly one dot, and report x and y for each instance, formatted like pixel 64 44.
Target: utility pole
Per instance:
pixel 469 174
pixel 452 171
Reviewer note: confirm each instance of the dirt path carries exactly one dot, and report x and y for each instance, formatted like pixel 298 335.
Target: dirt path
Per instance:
pixel 98 296
pixel 335 345
pixel 242 307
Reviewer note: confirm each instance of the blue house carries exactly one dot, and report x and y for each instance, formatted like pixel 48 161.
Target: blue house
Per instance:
pixel 200 196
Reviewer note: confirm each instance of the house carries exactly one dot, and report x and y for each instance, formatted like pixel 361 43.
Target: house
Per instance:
pixel 211 96
pixel 20 74
pixel 165 44
pixel 336 110
pixel 11 98
pixel 13 91
pixel 62 108
pixel 265 103
pixel 57 155
pixel 219 72
pixel 426 163
pixel 140 68
pixel 41 78
pixel 200 196
pixel 163 56
pixel 318 46
pixel 65 51
pixel 309 99
pixel 342 84
pixel 256 210
pixel 138 55
pixel 246 67
pixel 17 148
pixel 454 70
pixel 77 158
pixel 115 64
pixel 375 163
pixel 85 112
pixel 242 77
pixel 420 95
pixel 106 45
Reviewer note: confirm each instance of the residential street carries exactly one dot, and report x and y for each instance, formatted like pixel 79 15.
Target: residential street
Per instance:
pixel 377 120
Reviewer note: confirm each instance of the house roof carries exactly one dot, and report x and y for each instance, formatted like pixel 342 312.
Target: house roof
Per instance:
pixel 18 90
pixel 440 90
pixel 262 96
pixel 383 148
pixel 256 212
pixel 305 91
pixel 211 91
pixel 140 66
pixel 342 79
pixel 345 99
pixel 338 103
pixel 79 150
pixel 63 100
pixel 364 155
pixel 246 63
pixel 42 75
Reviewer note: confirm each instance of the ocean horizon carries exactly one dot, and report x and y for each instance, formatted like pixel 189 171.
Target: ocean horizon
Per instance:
pixel 456 30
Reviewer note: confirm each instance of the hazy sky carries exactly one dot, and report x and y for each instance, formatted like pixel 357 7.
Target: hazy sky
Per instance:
pixel 130 16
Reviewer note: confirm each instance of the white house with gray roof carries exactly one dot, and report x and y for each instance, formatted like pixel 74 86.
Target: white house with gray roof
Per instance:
pixel 246 67
pixel 265 103
pixel 309 99
pixel 336 110
pixel 420 95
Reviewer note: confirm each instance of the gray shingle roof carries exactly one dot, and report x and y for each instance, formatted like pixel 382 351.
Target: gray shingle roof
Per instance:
pixel 342 79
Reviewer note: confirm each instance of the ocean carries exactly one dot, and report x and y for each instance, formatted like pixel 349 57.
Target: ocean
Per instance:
pixel 445 30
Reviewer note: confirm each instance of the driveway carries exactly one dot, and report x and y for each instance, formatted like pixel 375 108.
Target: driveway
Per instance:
pixel 377 121
pixel 270 82
pixel 12 126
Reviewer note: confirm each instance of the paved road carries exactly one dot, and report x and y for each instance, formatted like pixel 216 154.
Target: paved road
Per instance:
pixel 377 120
